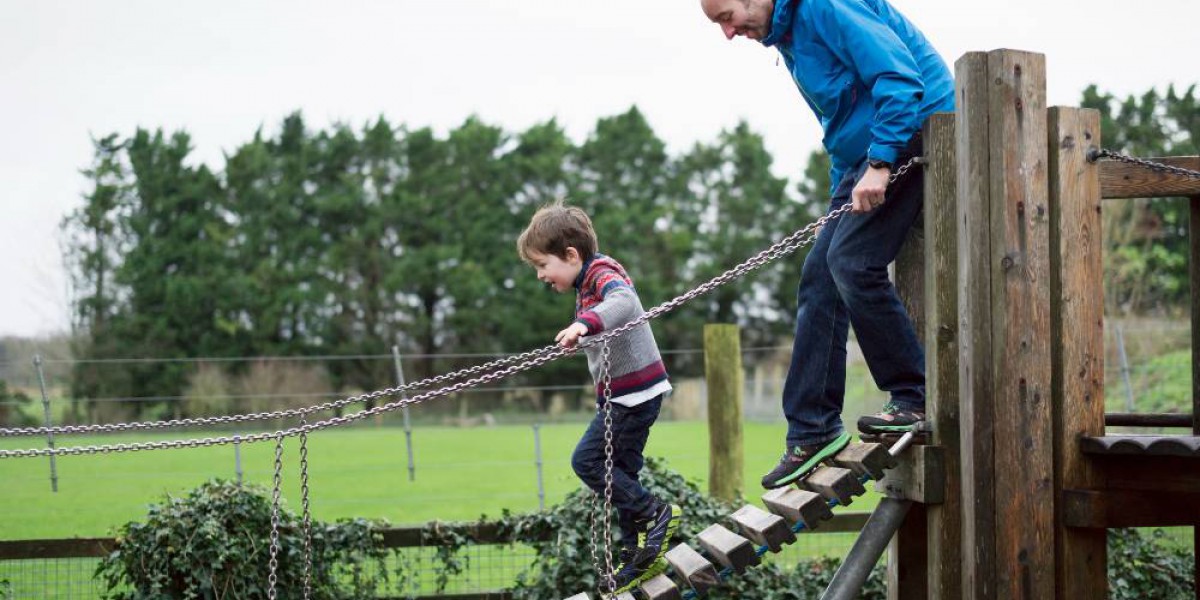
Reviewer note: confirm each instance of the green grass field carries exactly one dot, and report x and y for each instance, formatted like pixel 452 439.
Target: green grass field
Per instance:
pixel 461 474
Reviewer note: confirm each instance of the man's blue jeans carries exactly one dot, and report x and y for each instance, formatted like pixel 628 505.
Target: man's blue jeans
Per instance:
pixel 845 282
pixel 630 430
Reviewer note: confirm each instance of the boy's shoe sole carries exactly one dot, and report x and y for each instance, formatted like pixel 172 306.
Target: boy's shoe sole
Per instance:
pixel 789 474
pixel 656 568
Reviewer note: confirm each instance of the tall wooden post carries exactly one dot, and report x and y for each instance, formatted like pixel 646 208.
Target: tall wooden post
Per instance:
pixel 1077 338
pixel 907 553
pixel 1004 343
pixel 941 353
pixel 725 379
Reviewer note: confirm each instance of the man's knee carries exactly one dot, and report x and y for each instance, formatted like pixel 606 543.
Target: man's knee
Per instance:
pixel 852 275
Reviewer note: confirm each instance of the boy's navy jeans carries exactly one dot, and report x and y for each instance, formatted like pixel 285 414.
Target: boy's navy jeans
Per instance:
pixel 630 429
pixel 845 282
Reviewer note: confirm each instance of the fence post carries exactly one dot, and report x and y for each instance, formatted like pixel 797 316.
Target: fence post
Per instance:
pixel 37 362
pixel 537 460
pixel 724 376
pixel 412 468
pixel 237 459
pixel 1124 369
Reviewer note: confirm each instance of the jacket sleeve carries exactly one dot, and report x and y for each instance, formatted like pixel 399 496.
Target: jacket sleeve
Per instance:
pixel 618 305
pixel 862 39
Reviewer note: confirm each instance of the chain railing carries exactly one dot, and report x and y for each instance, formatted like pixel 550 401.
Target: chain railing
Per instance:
pixel 516 364
pixel 1094 155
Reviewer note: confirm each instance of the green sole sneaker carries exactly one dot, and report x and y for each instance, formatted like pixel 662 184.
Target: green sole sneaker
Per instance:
pixel 802 460
pixel 658 567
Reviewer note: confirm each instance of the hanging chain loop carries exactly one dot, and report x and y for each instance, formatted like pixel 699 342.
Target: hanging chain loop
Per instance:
pixel 273 563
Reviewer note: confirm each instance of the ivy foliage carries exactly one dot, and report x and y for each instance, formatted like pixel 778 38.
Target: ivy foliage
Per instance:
pixel 214 544
pixel 1143 566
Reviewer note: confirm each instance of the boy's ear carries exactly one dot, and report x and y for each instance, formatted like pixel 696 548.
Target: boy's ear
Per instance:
pixel 573 255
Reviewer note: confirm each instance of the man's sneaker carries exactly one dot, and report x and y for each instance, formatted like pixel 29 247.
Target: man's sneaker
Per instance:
pixel 892 419
pixel 659 530
pixel 799 461
pixel 630 575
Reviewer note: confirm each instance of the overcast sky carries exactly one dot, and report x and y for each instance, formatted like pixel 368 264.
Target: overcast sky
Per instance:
pixel 220 69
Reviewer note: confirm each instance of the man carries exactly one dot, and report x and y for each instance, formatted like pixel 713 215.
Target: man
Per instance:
pixel 872 79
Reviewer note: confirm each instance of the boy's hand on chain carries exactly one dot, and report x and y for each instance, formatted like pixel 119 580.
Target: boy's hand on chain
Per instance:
pixel 568 337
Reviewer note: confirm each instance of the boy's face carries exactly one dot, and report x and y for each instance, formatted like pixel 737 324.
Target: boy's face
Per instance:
pixel 558 273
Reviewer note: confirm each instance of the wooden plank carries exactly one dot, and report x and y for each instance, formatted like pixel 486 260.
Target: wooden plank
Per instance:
pixel 944 521
pixel 660 587
pixel 834 483
pixel 763 528
pixel 1100 509
pixel 865 459
pixel 1163 474
pixel 920 476
pixel 973 151
pixel 1148 420
pixel 1077 336
pixel 729 549
pixel 724 376
pixel 798 506
pixel 700 574
pixel 1122 180
pixel 64 548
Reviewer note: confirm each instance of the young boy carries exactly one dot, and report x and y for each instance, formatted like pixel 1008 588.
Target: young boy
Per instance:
pixel 561 244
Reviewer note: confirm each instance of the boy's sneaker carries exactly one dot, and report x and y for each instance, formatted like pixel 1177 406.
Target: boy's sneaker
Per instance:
pixel 660 528
pixel 626 556
pixel 892 419
pixel 799 461
pixel 630 575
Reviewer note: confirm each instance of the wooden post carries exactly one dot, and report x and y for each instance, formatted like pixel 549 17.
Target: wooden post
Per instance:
pixel 1077 339
pixel 1004 346
pixel 941 353
pixel 723 374
pixel 1194 273
pixel 906 562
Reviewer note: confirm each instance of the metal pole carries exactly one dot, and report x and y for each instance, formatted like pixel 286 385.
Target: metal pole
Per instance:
pixel 1124 369
pixel 872 541
pixel 537 455
pixel 37 362
pixel 412 469
pixel 237 460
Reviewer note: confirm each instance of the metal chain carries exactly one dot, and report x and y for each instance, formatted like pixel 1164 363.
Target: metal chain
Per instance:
pixel 528 360
pixel 593 537
pixel 1094 155
pixel 274 415
pixel 606 355
pixel 273 564
pixel 307 523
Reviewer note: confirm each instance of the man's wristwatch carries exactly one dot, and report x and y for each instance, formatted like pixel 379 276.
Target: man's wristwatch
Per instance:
pixel 879 164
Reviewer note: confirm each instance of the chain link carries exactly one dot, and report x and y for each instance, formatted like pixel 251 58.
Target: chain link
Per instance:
pixel 606 355
pixel 307 523
pixel 1141 162
pixel 273 563
pixel 516 364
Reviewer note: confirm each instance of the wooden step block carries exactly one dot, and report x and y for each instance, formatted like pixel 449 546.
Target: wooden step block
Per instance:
pixel 798 506
pixel 729 549
pixel 764 528
pixel 580 596
pixel 626 596
pixel 835 483
pixel 698 572
pixel 660 587
pixel 866 459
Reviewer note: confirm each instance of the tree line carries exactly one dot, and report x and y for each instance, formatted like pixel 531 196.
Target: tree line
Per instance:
pixel 346 241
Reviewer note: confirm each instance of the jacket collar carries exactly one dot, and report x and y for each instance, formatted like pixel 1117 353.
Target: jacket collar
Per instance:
pixel 584 269
pixel 781 22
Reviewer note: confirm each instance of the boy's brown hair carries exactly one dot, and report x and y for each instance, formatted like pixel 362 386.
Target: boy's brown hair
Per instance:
pixel 556 227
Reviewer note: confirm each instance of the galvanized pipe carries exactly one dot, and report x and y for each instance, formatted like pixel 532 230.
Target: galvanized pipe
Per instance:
pixel 885 521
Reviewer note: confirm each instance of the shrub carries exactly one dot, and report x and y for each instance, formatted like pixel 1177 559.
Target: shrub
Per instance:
pixel 214 544
pixel 1141 566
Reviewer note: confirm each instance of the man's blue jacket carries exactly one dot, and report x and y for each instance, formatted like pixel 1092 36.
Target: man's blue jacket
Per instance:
pixel 870 76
